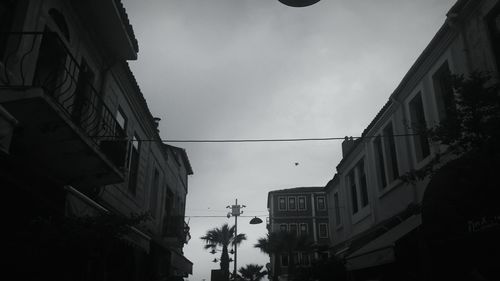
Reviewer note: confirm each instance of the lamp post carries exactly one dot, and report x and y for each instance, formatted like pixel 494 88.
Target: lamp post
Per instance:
pixel 235 212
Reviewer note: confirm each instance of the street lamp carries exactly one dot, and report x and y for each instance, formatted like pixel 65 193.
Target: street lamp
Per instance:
pixel 255 220
pixel 235 212
pixel 299 3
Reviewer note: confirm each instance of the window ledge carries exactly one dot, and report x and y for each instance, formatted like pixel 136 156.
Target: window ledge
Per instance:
pixel 423 162
pixel 361 214
pixel 395 183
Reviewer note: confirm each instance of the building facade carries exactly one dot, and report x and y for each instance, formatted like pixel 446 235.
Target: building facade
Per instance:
pixel 304 212
pixel 97 194
pixel 375 217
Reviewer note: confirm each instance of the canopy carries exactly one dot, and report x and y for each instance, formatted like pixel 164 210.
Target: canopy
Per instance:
pixel 381 249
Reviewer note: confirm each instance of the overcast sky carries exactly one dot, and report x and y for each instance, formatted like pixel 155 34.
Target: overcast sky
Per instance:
pixel 237 69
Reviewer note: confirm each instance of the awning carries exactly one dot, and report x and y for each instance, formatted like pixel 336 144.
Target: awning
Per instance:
pixel 381 250
pixel 181 266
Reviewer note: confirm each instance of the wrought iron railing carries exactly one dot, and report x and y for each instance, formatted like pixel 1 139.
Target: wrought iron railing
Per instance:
pixel 42 59
pixel 175 226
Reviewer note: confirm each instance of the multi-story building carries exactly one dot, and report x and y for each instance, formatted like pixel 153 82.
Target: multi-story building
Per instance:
pixel 375 218
pixel 303 211
pixel 78 144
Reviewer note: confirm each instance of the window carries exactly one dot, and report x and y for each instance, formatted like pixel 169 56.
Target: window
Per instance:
pixel 493 21
pixel 153 196
pixel 51 69
pixel 302 203
pixel 283 227
pixel 390 152
pixel 337 208
pixel 281 203
pixel 354 192
pixel 362 183
pixel 121 121
pixel 358 186
pixel 7 15
pixel 321 203
pixel 303 229
pixel 386 157
pixel 133 164
pixel 296 259
pixel 379 158
pixel 443 88
pixel 304 259
pixel 323 230
pixel 284 260
pixel 293 228
pixel 58 18
pixel 419 125
pixel 82 108
pixel 291 203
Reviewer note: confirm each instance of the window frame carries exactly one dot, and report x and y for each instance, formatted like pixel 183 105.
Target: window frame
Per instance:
pixel 284 205
pixel 494 35
pixel 386 157
pixel 133 164
pixel 154 188
pixel 326 234
pixel 353 179
pixel 285 227
pixel 298 203
pixel 440 95
pixel 324 208
pixel 306 232
pixel 336 206
pixel 121 113
pixel 289 207
pixel 418 142
pixel 284 258
pixel 290 225
pixel 305 261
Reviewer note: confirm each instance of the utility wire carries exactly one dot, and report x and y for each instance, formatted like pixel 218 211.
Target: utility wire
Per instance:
pixel 222 216
pixel 269 140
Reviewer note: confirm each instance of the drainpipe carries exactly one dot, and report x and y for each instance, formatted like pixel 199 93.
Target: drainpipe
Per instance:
pixel 313 209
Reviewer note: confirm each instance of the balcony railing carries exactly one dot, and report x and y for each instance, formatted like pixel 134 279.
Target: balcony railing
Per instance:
pixel 175 226
pixel 42 59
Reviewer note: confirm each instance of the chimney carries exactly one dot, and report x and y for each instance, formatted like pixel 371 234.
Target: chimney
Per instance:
pixel 157 123
pixel 347 145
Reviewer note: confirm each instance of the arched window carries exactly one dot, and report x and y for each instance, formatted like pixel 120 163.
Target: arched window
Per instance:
pixel 60 21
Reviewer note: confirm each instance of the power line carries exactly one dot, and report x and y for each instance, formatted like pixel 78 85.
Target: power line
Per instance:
pixel 268 140
pixel 222 216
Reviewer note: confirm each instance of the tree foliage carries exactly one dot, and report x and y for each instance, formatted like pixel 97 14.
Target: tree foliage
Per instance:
pixel 276 244
pixel 223 237
pixel 252 272
pixel 472 123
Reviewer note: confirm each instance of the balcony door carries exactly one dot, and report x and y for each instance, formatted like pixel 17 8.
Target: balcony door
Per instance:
pixel 84 111
pixel 50 70
pixel 7 13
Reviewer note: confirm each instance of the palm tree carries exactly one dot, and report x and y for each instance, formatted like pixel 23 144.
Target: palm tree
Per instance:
pixel 223 237
pixel 252 272
pixel 277 243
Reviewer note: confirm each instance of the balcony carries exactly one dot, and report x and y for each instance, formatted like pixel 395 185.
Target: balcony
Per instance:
pixel 65 130
pixel 176 231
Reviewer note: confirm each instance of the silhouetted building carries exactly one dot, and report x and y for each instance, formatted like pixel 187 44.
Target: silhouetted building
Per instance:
pixel 302 211
pixel 376 218
pixel 73 162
